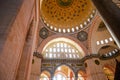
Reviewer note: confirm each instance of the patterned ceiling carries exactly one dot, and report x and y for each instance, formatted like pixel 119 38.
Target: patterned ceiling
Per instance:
pixel 66 15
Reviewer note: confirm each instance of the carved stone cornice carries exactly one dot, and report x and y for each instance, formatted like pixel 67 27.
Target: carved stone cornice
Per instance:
pixel 62 60
pixel 73 60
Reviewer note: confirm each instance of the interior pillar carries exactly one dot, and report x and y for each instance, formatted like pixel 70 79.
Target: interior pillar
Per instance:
pixel 110 14
pixel 76 76
pixel 94 70
pixel 24 63
pixel 26 58
pixel 52 76
pixel 36 68
pixel 14 20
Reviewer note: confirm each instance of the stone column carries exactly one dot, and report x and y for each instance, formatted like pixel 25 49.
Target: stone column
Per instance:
pixel 24 70
pixel 24 66
pixel 27 54
pixel 52 76
pixel 14 19
pixel 76 76
pixel 94 70
pixel 36 68
pixel 110 14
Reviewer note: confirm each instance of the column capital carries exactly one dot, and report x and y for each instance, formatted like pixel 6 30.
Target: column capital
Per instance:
pixel 38 55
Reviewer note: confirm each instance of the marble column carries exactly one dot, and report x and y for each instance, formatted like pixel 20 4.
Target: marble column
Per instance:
pixel 94 70
pixel 110 14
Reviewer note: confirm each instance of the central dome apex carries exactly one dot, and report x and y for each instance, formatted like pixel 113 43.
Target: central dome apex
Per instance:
pixel 66 16
pixel 64 3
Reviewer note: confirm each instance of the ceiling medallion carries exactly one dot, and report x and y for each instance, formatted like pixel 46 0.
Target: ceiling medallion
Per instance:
pixel 64 3
pixel 82 36
pixel 43 33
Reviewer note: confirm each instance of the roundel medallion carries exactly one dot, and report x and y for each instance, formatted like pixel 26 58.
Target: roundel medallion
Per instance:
pixel 43 33
pixel 82 36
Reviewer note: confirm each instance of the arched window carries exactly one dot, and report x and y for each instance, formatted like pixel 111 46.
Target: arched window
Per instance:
pixel 62 48
pixel 45 75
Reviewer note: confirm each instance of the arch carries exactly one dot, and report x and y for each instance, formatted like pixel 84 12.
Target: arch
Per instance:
pixel 81 75
pixel 42 70
pixel 108 51
pixel 109 72
pixel 93 28
pixel 96 42
pixel 64 65
pixel 109 67
pixel 78 44
pixel 62 48
pixel 106 45
pixel 45 41
pixel 65 71
pixel 45 75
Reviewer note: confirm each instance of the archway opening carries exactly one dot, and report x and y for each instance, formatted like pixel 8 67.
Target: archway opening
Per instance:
pixel 45 75
pixel 109 73
pixel 81 75
pixel 62 52
pixel 63 72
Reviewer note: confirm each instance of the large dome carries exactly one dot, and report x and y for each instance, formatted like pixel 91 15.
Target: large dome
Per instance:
pixel 66 15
